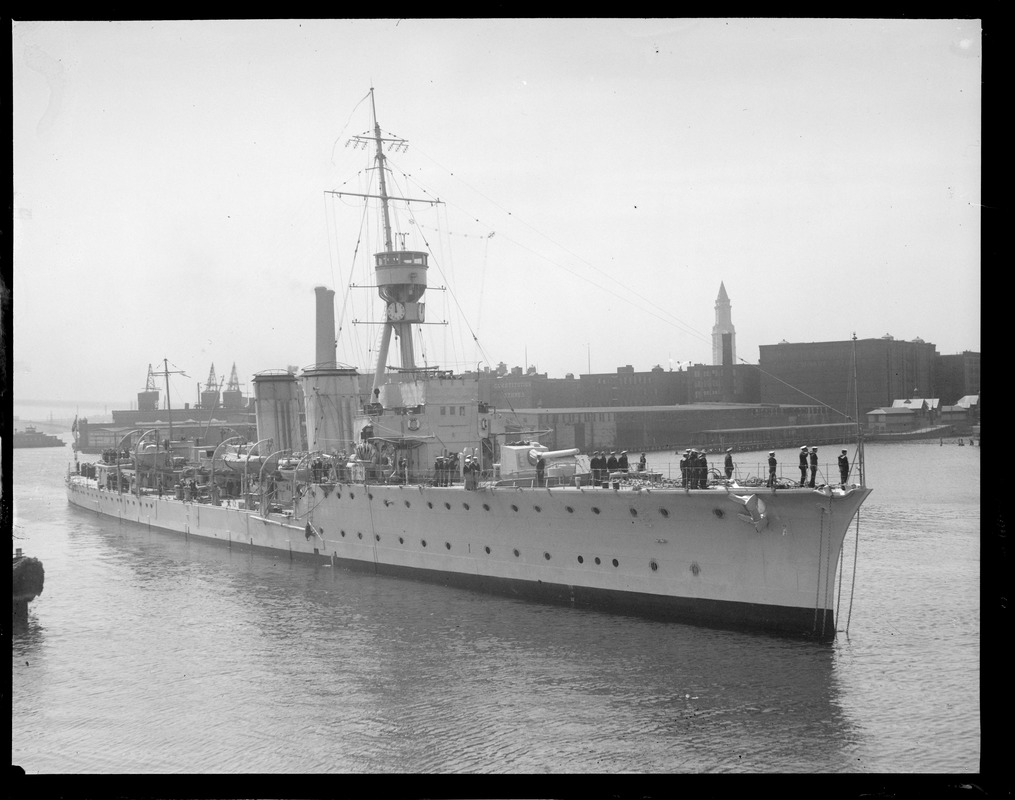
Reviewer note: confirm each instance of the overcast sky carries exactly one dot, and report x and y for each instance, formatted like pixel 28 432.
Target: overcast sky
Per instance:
pixel 170 190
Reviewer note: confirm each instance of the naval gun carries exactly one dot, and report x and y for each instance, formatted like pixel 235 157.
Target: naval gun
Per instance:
pixel 518 463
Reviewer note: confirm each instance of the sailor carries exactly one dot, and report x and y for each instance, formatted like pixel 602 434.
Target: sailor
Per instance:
pixel 622 462
pixel 438 471
pixel 728 465
pixel 685 466
pixel 595 464
pixel 702 470
pixel 814 465
pixel 540 469
pixel 611 463
pixel 803 465
pixel 771 469
pixel 642 463
pixel 843 468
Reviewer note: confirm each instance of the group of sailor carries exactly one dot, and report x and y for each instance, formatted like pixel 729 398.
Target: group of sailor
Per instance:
pixel 694 469
pixel 808 457
pixel 604 464
pixel 809 461
pixel 444 469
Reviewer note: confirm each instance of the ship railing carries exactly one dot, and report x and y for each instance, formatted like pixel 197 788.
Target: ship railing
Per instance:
pixel 786 475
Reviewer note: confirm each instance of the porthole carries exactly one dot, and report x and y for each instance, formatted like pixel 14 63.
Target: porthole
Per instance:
pixel 386 502
pixel 352 495
pixel 538 509
pixel 377 536
pixel 342 533
pixel 664 512
pixel 447 506
pixel 487 550
pixel 569 509
pixel 616 563
pixel 517 553
pixel 359 534
pixel 370 496
pixel 546 556
pixel 338 495
pixel 429 504
pixel 598 561
pixel 408 504
pixel 634 512
pixel 514 507
pixel 595 510
pixel 581 560
pixel 401 540
pixel 719 512
pixel 447 545
pixel 654 565
pixel 423 542
pixel 486 507
pixel 465 506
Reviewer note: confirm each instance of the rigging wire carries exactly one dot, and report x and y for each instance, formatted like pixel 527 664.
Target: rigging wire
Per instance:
pixel 667 317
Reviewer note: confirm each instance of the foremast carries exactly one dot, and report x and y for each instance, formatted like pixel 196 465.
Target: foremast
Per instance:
pixel 400 273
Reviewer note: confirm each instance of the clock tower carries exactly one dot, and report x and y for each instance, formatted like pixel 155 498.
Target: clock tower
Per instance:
pixel 723 325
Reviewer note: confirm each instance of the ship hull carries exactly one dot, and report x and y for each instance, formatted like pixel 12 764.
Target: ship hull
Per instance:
pixel 690 556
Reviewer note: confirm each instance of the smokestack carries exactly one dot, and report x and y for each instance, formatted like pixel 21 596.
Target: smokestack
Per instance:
pixel 325 353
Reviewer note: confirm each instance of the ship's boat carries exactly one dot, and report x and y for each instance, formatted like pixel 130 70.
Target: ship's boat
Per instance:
pixel 405 471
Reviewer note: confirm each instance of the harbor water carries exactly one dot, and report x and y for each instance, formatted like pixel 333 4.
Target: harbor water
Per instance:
pixel 151 653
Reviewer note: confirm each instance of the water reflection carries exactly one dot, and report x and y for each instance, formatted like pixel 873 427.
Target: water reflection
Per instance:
pixel 417 677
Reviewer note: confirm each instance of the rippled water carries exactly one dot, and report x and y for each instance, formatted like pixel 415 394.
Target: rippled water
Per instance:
pixel 149 653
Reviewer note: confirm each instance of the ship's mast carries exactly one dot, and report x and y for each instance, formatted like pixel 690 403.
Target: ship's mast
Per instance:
pixel 400 273
pixel 169 406
pixel 859 428
pixel 381 169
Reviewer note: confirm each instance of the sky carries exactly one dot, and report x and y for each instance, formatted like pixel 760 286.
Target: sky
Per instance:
pixel 599 179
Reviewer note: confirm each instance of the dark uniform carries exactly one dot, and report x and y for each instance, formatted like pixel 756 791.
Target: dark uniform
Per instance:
pixel 814 465
pixel 843 468
pixel 729 464
pixel 702 471
pixel 803 466
pixel 540 470
pixel 771 469
pixel 622 464
pixel 611 464
pixel 684 467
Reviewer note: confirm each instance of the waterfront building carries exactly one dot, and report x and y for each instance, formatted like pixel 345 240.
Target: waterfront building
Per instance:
pixel 886 368
pixel 958 375
pixel 661 427
pixel 729 383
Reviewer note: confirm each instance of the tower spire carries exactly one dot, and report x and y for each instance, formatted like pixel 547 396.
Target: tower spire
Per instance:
pixel 723 328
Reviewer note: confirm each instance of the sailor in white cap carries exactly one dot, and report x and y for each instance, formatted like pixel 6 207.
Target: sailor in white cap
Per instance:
pixel 622 463
pixel 803 465
pixel 814 465
pixel 728 465
pixel 685 465
pixel 843 469
pixel 771 468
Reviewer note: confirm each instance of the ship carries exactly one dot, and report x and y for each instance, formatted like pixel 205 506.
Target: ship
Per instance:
pixel 30 437
pixel 404 471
